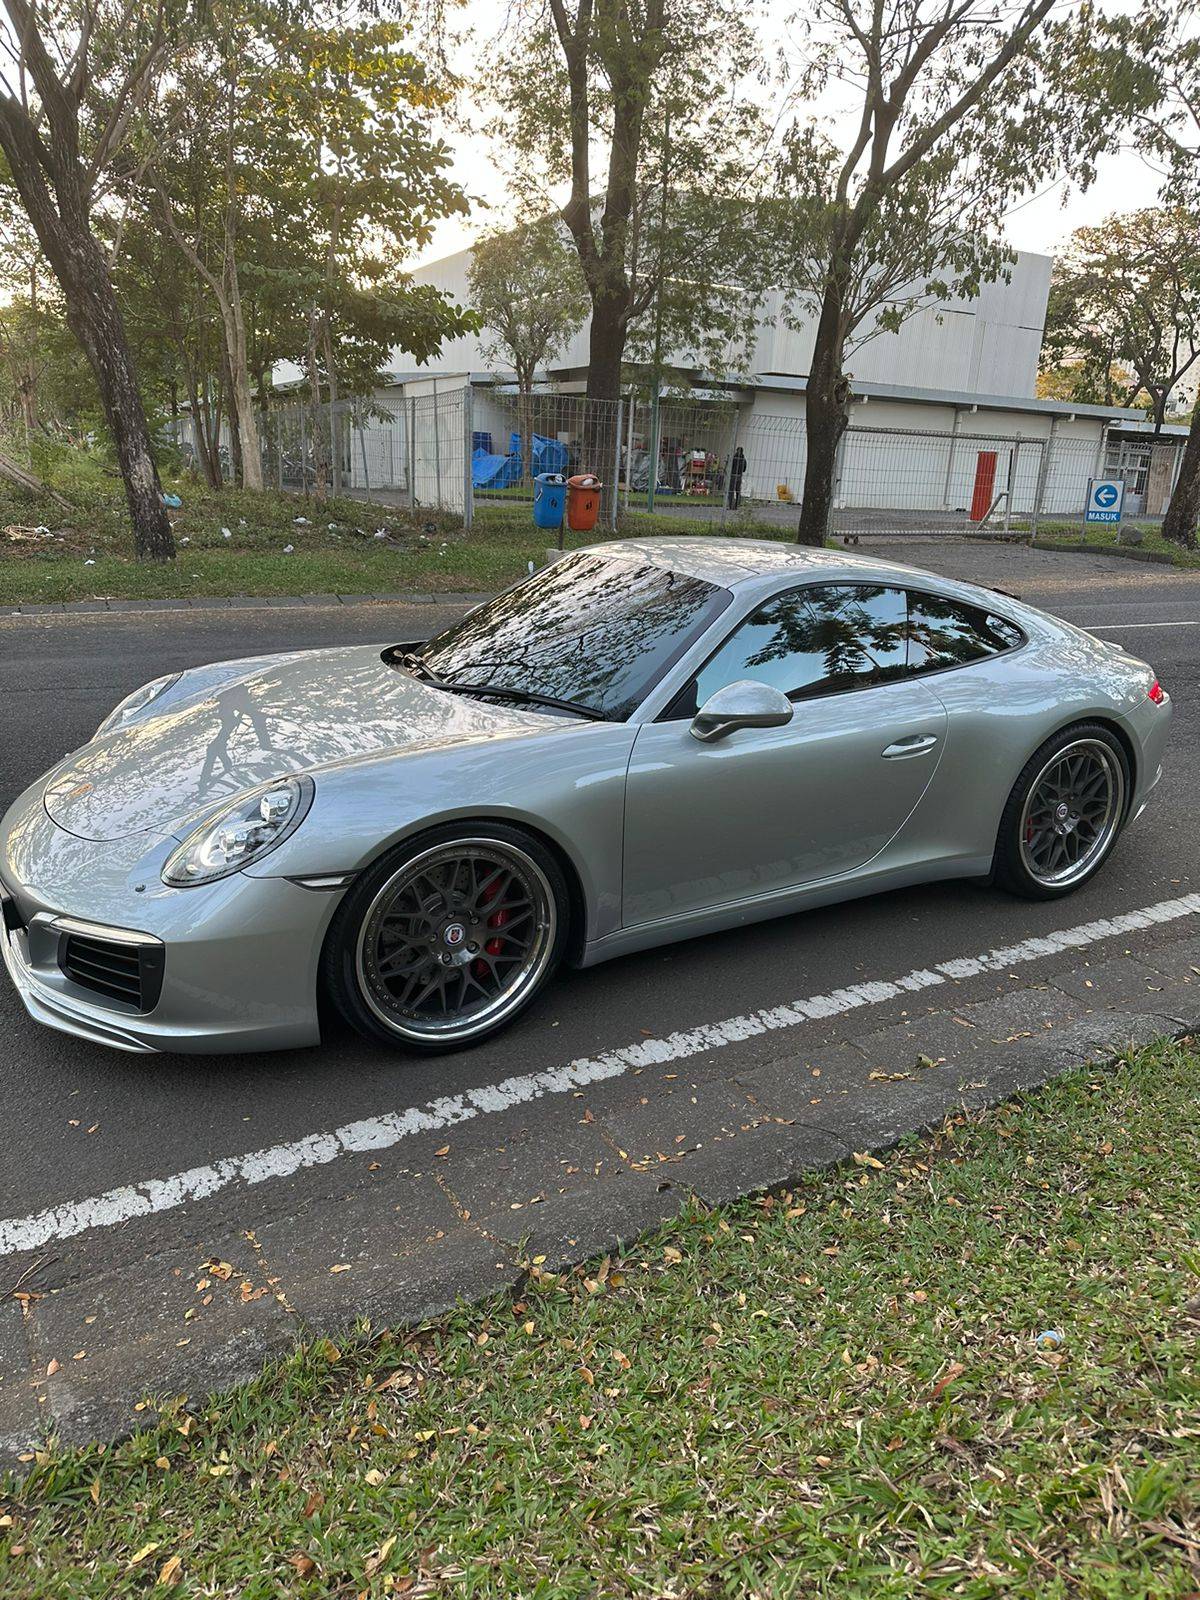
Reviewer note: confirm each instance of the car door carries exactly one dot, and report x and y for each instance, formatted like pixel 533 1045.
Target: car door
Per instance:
pixel 768 809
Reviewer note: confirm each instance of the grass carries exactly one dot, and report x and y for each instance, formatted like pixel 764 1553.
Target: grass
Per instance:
pixel 1106 538
pixel 87 553
pixel 838 1392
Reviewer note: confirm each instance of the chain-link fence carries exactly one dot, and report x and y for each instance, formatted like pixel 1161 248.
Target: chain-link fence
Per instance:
pixel 514 438
pixel 897 480
pixel 412 451
pixel 708 459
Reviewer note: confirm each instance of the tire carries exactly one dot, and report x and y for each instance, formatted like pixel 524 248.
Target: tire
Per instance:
pixel 448 938
pixel 1064 815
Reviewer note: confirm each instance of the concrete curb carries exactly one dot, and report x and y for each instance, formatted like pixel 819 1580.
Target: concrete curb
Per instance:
pixel 459 1222
pixel 1121 552
pixel 240 602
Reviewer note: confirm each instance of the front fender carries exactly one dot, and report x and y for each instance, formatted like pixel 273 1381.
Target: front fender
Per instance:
pixel 568 785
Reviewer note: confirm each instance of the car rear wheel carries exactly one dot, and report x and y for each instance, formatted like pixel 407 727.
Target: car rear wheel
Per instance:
pixel 1064 814
pixel 448 938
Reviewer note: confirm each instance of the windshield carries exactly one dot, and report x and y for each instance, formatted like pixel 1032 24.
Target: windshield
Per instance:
pixel 598 631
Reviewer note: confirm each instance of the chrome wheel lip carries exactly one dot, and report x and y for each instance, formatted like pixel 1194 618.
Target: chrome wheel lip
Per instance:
pixel 515 991
pixel 1104 759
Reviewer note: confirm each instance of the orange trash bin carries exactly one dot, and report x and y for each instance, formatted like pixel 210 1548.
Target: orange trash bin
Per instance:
pixel 583 501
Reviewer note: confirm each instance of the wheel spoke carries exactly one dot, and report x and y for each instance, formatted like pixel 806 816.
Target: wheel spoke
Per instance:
pixel 1072 814
pixel 455 939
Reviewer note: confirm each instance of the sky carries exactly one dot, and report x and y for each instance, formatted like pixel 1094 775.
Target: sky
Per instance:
pixel 1039 223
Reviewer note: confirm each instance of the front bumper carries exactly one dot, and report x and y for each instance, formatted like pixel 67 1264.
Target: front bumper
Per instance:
pixel 240 956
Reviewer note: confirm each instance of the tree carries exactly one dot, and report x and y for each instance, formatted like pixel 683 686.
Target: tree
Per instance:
pixel 73 80
pixel 1124 309
pixel 958 107
pixel 643 111
pixel 528 291
pixel 1170 131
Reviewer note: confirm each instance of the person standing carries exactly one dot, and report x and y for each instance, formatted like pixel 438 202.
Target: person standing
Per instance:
pixel 737 471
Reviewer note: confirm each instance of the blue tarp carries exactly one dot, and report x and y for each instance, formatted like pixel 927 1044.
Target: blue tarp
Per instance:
pixel 501 472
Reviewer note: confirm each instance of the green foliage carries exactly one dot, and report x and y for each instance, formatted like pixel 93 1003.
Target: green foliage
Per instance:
pixel 957 112
pixel 1123 321
pixel 651 114
pixel 836 1392
pixel 529 293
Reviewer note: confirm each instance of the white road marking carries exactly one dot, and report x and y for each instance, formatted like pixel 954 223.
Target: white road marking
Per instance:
pixel 1098 627
pixel 381 1133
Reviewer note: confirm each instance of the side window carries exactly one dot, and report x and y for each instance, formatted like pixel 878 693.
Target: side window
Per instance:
pixel 810 642
pixel 944 633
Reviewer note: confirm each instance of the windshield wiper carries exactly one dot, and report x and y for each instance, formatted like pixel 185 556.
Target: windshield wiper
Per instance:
pixel 417 666
pixel 528 697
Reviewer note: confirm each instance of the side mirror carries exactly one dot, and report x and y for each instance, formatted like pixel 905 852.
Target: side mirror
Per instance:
pixel 744 704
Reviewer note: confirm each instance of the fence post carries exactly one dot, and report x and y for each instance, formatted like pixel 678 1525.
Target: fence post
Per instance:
pixel 468 395
pixel 629 446
pixel 362 447
pixel 616 471
pixel 1014 457
pixel 412 453
pixel 303 451
pixel 1043 476
pixel 437 446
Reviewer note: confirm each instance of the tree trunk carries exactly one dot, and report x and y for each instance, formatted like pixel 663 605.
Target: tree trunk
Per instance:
pixel 525 426
pixel 826 416
pixel 1179 524
pixel 240 394
pixel 236 457
pixel 606 346
pixel 62 225
pixel 95 319
pixel 319 435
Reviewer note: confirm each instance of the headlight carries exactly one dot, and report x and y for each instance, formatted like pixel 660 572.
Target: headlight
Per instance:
pixel 137 701
pixel 245 832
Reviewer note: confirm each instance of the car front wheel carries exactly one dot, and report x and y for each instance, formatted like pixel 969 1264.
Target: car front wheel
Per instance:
pixel 448 938
pixel 1064 813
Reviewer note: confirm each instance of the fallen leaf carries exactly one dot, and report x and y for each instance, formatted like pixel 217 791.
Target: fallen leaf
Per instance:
pixel 303 1565
pixel 147 1549
pixel 340 1266
pixel 169 1572
pixel 953 1371
pixel 373 1563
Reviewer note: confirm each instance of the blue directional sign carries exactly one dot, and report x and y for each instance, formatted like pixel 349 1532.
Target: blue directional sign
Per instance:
pixel 1106 496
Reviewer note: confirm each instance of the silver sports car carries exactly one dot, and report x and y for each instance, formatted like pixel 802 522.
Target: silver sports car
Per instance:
pixel 646 741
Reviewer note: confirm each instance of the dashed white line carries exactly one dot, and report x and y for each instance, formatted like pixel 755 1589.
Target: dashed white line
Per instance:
pixel 154 1195
pixel 1099 627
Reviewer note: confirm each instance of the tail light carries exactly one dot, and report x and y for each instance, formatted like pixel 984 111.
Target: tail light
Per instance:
pixel 1157 693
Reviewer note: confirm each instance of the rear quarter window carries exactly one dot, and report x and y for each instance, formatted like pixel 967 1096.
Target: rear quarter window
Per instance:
pixel 946 633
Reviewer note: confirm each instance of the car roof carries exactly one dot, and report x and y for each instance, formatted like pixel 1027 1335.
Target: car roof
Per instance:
pixel 736 563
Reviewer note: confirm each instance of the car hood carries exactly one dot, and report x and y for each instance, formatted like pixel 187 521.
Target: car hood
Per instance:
pixel 164 773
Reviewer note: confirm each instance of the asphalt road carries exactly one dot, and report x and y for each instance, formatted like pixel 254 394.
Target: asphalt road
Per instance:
pixel 80 1121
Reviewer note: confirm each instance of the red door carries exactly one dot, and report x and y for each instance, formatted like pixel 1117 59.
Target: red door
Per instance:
pixel 985 484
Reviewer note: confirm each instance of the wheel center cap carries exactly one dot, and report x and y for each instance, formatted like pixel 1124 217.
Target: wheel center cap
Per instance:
pixel 454 935
pixel 1062 811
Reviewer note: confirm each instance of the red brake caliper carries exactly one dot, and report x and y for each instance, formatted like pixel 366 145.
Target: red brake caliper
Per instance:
pixel 496 920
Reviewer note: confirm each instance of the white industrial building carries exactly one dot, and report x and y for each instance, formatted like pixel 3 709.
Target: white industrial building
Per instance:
pixel 946 424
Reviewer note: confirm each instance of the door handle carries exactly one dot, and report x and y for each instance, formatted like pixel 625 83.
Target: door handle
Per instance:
pixel 917 744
